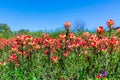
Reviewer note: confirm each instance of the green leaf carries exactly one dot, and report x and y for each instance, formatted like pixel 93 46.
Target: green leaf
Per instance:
pixel 34 78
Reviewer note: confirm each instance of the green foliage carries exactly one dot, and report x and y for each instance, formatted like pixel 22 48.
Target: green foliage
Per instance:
pixel 5 31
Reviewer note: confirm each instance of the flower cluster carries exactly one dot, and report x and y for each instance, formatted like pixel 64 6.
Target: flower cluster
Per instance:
pixel 13 59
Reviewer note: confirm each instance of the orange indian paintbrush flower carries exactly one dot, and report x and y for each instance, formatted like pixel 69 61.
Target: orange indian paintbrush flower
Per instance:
pixel 99 76
pixel 67 25
pixel 3 63
pixel 110 23
pixel 55 59
pixel 86 34
pixel 100 29
pixel 118 30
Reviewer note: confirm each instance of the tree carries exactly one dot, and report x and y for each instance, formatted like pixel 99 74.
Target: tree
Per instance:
pixel 5 30
pixel 80 25
pixel 23 31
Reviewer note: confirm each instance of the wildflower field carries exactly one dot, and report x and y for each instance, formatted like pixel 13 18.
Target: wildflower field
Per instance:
pixel 68 56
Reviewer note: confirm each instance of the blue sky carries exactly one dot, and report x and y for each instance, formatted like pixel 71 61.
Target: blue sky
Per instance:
pixel 51 14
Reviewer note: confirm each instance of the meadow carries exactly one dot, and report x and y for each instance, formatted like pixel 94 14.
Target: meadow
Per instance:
pixel 61 55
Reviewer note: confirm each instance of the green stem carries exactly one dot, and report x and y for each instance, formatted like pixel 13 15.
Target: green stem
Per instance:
pixel 3 61
pixel 77 72
pixel 22 61
pixel 110 33
pixel 116 68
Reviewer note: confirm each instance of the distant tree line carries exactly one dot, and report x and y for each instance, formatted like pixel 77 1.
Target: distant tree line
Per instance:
pixel 6 32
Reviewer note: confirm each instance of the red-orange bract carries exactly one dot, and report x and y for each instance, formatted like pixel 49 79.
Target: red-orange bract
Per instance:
pixel 110 23
pixel 66 53
pixel 86 34
pixel 13 59
pixel 62 36
pixel 67 25
pixel 118 30
pixel 55 59
pixel 100 30
pixel 99 76
pixel 3 63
